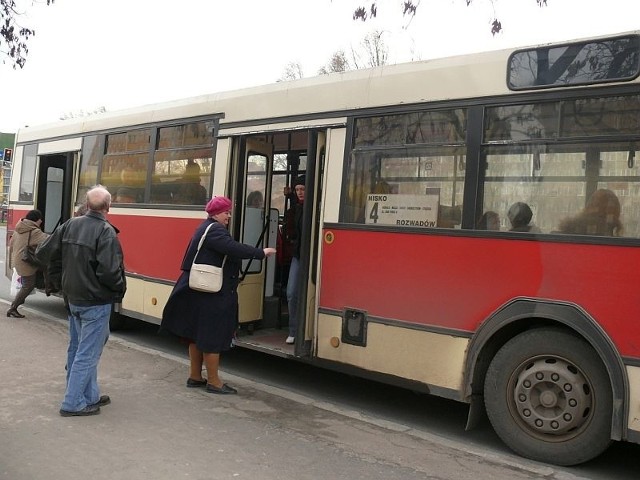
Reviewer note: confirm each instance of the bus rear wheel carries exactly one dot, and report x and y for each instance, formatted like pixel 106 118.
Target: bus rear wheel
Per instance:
pixel 548 397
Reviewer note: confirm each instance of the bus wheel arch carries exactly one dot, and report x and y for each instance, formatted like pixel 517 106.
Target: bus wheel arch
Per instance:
pixel 522 315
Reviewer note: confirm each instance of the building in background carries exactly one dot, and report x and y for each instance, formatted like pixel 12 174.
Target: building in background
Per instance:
pixel 7 142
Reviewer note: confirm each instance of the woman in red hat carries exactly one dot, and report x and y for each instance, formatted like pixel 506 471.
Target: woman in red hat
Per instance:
pixel 207 321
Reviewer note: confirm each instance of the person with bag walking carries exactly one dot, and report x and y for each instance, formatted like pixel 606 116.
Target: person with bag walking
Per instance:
pixel 93 278
pixel 207 321
pixel 28 233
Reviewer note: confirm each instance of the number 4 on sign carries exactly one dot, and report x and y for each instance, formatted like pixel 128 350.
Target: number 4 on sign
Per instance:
pixel 373 214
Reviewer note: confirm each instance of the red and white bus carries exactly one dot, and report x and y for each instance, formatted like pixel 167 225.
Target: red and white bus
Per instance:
pixel 472 224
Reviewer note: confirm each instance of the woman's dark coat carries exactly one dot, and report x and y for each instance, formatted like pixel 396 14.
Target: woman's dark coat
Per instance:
pixel 208 319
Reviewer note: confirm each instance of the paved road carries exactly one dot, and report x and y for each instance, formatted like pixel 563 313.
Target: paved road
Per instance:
pixel 157 429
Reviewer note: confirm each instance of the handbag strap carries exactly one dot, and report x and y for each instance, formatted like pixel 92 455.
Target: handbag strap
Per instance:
pixel 200 246
pixel 29 239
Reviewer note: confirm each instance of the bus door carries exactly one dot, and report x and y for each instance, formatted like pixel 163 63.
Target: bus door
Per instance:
pixel 54 189
pixel 258 227
pixel 309 248
pixel 266 164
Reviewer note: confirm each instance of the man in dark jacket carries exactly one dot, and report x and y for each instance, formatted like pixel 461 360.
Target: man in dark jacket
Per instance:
pixel 93 280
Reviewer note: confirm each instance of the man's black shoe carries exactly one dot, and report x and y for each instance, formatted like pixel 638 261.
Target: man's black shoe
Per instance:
pixel 85 412
pixel 104 400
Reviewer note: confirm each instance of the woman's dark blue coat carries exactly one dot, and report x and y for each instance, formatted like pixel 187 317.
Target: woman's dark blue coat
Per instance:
pixel 208 319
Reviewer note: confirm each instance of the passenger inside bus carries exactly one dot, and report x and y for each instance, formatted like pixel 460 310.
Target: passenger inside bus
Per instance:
pixel 126 195
pixel 601 216
pixel 188 189
pixel 130 189
pixel 255 199
pixel 520 216
pixel 489 221
pixel 449 217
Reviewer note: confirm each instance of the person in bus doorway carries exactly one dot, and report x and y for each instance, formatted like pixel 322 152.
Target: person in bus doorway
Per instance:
pixel 293 233
pixel 93 279
pixel 28 233
pixel 207 321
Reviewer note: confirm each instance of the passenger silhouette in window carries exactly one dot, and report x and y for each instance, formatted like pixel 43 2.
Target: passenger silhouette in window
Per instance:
pixel 489 221
pixel 189 190
pixel 601 216
pixel 520 216
pixel 255 199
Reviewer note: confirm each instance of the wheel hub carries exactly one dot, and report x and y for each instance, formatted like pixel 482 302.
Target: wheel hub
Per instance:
pixel 552 396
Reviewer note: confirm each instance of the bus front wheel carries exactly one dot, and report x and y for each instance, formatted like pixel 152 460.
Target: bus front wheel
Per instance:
pixel 548 397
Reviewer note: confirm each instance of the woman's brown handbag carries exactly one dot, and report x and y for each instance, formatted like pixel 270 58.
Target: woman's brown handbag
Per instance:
pixel 203 277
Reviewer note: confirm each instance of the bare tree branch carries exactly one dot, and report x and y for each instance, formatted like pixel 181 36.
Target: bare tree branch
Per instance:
pixel 409 8
pixel 13 37
pixel 292 71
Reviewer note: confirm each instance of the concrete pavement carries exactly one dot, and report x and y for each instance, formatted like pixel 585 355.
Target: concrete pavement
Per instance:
pixel 156 428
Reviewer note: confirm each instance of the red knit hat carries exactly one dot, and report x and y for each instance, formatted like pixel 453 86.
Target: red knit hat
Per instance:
pixel 218 205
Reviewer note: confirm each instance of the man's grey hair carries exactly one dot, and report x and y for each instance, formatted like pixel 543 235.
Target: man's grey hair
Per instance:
pixel 98 198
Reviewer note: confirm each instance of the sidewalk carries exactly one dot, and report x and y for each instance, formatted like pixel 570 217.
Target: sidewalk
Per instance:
pixel 156 428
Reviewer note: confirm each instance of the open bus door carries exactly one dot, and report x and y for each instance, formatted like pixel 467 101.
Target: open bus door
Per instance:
pixel 54 188
pixel 258 227
pixel 263 312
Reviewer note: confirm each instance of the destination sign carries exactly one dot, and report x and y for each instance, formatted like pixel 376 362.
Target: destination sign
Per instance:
pixel 402 210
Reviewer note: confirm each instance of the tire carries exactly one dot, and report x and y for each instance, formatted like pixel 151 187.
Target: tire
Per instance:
pixel 548 397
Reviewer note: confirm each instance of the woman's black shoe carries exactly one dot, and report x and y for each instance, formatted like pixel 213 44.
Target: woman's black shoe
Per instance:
pixel 191 383
pixel 223 390
pixel 12 312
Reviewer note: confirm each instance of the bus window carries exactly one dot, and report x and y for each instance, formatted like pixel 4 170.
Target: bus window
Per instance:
pixel 182 164
pixel 124 165
pixel 257 165
pixel 401 173
pixel 28 173
pixel 575 63
pixel 89 163
pixel 418 187
pixel 558 183
pixel 522 122
pixel 279 181
pixel 125 175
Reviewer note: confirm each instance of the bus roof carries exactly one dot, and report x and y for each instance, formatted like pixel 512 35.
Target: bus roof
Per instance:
pixel 464 76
